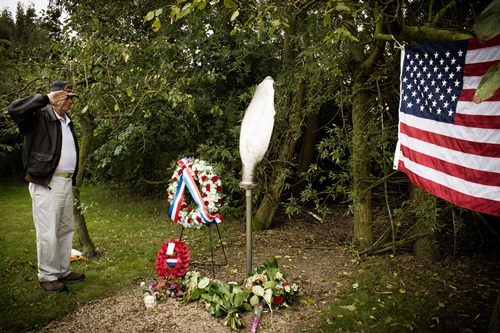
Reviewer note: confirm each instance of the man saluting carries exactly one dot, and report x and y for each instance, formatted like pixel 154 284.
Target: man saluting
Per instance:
pixel 50 157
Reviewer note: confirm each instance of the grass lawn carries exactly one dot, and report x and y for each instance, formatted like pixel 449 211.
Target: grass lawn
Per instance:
pixel 385 293
pixel 126 229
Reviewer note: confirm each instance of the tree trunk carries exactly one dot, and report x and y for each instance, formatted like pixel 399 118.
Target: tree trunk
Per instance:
pixel 306 152
pixel 425 247
pixel 264 215
pixel 365 63
pixel 266 211
pixel 88 247
pixel 362 202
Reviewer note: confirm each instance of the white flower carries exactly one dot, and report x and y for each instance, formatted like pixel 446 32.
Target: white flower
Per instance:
pixel 255 279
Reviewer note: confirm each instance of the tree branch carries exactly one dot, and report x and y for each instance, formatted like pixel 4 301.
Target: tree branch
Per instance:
pixel 445 10
pixel 423 34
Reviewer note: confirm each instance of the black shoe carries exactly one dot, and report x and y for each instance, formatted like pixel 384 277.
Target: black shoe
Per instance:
pixel 53 286
pixel 72 277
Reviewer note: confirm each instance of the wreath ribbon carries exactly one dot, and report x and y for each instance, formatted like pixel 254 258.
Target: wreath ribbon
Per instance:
pixel 186 180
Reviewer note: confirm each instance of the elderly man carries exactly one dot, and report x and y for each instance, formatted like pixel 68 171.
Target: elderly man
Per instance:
pixel 50 157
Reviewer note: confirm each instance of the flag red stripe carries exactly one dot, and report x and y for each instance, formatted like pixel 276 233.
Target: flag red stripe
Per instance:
pixel 458 198
pixel 475 43
pixel 488 122
pixel 455 170
pixel 478 69
pixel 468 147
pixel 467 95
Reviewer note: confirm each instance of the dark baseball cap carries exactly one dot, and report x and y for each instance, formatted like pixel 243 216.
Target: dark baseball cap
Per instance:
pixel 63 85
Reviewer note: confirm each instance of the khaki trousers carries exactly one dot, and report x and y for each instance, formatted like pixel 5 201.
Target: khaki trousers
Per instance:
pixel 54 225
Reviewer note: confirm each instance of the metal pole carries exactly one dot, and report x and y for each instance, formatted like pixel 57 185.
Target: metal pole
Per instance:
pixel 255 134
pixel 249 229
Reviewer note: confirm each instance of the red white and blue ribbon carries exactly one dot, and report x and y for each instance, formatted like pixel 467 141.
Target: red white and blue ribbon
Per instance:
pixel 171 262
pixel 186 180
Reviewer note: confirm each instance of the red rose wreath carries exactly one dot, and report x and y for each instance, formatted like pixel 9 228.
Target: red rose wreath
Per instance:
pixel 172 259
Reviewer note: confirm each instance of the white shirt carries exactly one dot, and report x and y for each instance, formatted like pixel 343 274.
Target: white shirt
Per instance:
pixel 67 162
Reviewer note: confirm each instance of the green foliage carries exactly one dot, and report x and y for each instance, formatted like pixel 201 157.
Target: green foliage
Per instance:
pixel 267 286
pixel 486 26
pixel 25 45
pixel 427 209
pixel 489 84
pixel 157 97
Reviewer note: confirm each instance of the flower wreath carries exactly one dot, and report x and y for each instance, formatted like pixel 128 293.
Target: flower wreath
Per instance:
pixel 194 175
pixel 172 259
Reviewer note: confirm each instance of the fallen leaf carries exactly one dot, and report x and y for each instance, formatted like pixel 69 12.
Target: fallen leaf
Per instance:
pixel 349 307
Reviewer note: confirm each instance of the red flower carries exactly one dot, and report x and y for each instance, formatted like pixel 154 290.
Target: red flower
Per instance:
pixel 179 172
pixel 278 300
pixel 182 264
pixel 215 178
pixel 207 187
pixel 204 178
pixel 219 188
pixel 206 203
pixel 198 219
pixel 189 209
pixel 174 179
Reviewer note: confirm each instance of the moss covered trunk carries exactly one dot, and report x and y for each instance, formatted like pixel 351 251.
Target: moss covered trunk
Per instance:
pixel 362 198
pixel 426 246
pixel 270 203
pixel 293 117
pixel 88 247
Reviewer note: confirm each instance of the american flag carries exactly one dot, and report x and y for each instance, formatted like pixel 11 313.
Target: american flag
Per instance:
pixel 447 144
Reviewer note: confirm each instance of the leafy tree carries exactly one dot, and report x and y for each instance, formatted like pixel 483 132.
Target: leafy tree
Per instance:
pixel 366 35
pixel 151 96
pixel 24 47
pixel 147 101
